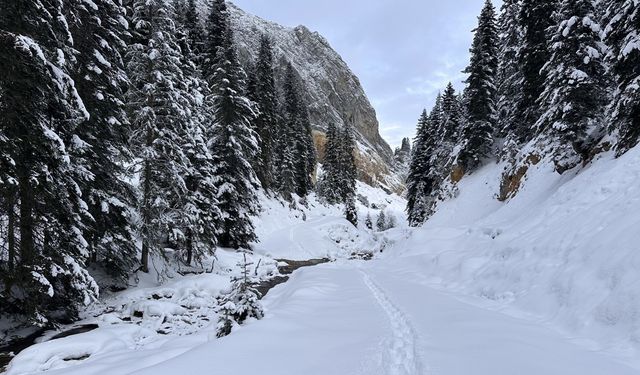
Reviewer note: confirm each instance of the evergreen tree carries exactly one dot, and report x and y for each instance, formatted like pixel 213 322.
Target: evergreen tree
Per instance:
pixel 436 116
pixel 331 168
pixel 217 26
pixel 41 111
pixel 368 222
pixel 199 216
pixel 575 90
pixel 338 184
pixel 285 159
pixel 299 134
pixel 264 94
pixel 381 223
pixel 159 107
pixel 417 182
pixel 234 144
pixel 477 134
pixel 194 30
pixel 225 319
pixel 242 302
pixel 536 17
pixel 446 120
pixel 195 234
pixel 348 172
pixel 101 148
pixel 451 120
pixel 350 211
pixel 200 212
pixel 508 79
pixel 623 37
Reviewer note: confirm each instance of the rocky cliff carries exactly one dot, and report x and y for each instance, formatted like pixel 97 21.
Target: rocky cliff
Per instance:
pixel 333 93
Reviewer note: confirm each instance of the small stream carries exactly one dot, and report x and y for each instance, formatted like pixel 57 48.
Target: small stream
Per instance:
pixel 291 265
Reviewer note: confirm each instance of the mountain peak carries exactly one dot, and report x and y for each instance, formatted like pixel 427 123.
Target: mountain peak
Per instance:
pixel 333 93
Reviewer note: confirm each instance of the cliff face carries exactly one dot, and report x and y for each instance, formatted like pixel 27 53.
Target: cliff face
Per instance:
pixel 333 93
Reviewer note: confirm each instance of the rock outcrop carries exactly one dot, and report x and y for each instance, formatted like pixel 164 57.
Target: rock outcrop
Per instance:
pixel 333 93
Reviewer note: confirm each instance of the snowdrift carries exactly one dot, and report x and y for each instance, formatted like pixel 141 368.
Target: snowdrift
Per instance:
pixel 565 249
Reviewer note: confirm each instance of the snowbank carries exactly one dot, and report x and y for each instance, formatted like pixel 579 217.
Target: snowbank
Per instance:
pixel 564 249
pixel 155 321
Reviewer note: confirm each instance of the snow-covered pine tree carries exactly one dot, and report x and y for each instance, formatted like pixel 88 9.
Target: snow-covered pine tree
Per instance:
pixel 264 94
pixel 225 319
pixel 348 172
pixel 446 134
pixel 101 146
pixel 182 34
pixel 368 221
pixel 575 88
pixel 417 182
pixel 436 117
pixel 536 17
pixel 195 32
pixel 381 223
pixel 508 81
pixel 234 144
pixel 328 185
pixel 350 211
pixel 200 211
pixel 197 231
pixel 450 124
pixel 159 107
pixel 297 120
pixel 338 183
pixel 437 142
pixel 41 110
pixel 284 157
pixel 242 302
pixel 480 94
pixel 216 27
pixel 623 38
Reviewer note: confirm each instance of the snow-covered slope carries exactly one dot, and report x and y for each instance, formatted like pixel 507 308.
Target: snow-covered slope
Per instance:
pixel 333 93
pixel 565 249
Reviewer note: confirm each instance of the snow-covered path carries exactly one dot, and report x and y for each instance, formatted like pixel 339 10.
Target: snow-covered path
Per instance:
pixel 400 349
pixel 384 318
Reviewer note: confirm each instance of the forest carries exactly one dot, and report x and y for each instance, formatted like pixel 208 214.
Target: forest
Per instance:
pixel 548 80
pixel 131 130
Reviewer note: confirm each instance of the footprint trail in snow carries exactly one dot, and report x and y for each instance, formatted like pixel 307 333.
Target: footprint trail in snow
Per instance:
pixel 400 350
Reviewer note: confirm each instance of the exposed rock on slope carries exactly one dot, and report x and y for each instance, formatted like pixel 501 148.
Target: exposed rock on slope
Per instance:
pixel 333 92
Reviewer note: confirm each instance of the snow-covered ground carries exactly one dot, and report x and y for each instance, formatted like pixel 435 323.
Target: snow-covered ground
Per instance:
pixel 565 250
pixel 386 318
pixel 156 320
pixel 547 283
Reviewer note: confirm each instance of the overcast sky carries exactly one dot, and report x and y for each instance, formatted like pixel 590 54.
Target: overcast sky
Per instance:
pixel 403 51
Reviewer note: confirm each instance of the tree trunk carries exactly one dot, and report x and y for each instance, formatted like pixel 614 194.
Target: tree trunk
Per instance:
pixel 11 235
pixel 27 244
pixel 189 247
pixel 144 260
